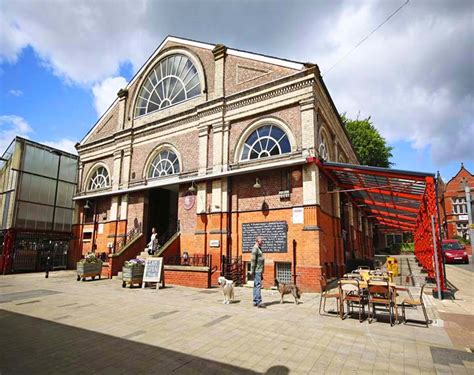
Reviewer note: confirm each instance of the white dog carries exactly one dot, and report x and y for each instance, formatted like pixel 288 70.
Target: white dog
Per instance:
pixel 228 289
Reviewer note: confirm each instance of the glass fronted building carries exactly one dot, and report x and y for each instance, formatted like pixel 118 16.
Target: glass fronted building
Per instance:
pixel 37 183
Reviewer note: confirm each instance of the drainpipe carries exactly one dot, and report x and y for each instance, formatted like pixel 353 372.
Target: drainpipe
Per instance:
pixel 229 217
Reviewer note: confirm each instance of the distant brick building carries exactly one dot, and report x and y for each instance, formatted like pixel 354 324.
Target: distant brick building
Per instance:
pixel 454 212
pixel 211 146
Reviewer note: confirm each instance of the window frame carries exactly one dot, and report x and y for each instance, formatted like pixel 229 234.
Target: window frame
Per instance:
pixel 158 154
pixel 91 174
pixel 148 79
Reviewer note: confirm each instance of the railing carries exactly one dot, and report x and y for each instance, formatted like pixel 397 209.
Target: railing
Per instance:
pixel 130 236
pixel 164 237
pixel 197 260
pixel 232 269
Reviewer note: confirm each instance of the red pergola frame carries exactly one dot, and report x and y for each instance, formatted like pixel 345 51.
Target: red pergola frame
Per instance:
pixel 422 203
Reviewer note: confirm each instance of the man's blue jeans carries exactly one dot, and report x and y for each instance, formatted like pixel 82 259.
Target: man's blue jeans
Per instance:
pixel 257 288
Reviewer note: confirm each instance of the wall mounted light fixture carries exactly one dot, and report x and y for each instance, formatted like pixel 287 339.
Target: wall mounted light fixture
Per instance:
pixel 257 184
pixel 192 188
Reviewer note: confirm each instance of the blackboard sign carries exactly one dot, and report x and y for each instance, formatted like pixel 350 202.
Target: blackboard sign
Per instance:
pixel 153 271
pixel 273 233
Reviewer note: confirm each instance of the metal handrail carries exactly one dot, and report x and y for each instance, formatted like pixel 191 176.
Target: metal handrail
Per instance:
pixel 197 260
pixel 130 236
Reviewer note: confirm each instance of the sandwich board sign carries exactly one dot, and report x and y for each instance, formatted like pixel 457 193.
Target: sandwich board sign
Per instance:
pixel 154 272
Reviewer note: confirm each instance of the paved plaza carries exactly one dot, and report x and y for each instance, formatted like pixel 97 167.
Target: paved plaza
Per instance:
pixel 61 326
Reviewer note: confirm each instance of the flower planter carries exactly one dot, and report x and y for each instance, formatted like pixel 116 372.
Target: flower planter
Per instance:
pixel 132 275
pixel 85 269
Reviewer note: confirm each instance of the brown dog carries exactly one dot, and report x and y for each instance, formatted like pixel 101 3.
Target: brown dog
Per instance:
pixel 288 289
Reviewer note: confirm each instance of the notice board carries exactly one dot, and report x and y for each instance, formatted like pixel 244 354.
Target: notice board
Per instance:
pixel 153 271
pixel 273 233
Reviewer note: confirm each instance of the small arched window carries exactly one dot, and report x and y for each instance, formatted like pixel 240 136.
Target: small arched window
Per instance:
pixel 164 164
pixel 323 148
pixel 99 179
pixel 267 140
pixel 173 80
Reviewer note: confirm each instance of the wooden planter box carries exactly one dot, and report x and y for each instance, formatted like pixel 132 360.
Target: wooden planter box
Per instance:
pixel 88 270
pixel 132 275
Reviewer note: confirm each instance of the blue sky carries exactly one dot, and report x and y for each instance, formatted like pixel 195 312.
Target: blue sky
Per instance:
pixel 61 65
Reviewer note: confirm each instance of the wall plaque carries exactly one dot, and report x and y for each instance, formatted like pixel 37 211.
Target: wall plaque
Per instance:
pixel 274 234
pixel 189 199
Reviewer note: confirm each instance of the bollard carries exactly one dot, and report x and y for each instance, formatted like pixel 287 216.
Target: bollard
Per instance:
pixel 47 266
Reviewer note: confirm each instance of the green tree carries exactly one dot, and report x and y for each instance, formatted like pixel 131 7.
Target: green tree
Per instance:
pixel 370 147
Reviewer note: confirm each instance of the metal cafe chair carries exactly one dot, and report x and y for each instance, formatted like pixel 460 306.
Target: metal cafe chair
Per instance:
pixel 327 293
pixel 380 293
pixel 351 294
pixel 414 303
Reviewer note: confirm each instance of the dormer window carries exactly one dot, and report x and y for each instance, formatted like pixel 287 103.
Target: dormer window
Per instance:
pixel 173 80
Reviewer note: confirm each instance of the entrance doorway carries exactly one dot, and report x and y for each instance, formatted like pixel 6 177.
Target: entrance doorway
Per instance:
pixel 163 212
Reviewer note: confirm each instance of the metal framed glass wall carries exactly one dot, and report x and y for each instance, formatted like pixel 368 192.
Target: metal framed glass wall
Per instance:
pixel 47 184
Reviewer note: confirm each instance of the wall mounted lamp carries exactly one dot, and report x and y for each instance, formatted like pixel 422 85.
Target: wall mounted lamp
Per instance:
pixel 192 188
pixel 87 206
pixel 257 184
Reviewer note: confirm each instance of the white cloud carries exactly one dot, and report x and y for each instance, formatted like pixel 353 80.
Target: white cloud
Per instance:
pixel 16 93
pixel 413 76
pixel 63 144
pixel 83 42
pixel 105 92
pixel 10 127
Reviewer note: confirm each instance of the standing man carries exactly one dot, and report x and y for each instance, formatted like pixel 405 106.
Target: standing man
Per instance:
pixel 258 266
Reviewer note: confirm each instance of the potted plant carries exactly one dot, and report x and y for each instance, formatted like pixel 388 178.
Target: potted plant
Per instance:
pixel 90 266
pixel 132 272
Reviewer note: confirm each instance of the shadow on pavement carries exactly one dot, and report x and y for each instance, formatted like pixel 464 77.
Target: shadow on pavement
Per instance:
pixel 36 346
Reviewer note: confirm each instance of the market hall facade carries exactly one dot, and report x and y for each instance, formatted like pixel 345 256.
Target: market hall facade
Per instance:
pixel 211 146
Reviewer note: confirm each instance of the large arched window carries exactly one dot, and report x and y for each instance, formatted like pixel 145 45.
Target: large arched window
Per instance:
pixel 164 164
pixel 173 80
pixel 99 179
pixel 267 140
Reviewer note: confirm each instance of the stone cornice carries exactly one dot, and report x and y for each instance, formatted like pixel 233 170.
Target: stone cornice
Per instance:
pixel 221 105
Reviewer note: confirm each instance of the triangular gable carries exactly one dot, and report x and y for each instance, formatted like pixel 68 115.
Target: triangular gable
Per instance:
pixel 463 168
pixel 230 51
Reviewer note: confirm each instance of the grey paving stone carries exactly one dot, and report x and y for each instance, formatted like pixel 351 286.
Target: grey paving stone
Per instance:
pixel 162 314
pixel 15 296
pixel 217 321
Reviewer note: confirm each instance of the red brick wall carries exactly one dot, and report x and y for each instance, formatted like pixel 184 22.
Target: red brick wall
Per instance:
pixel 238 79
pixel 195 279
pixel 137 206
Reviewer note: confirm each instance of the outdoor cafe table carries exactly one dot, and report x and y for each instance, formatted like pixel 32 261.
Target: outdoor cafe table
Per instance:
pixel 396 288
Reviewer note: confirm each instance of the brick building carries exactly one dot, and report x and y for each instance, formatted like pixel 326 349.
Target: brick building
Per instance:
pixel 212 145
pixel 454 211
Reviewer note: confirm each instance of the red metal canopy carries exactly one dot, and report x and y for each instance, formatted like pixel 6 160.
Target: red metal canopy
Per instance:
pixel 394 200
